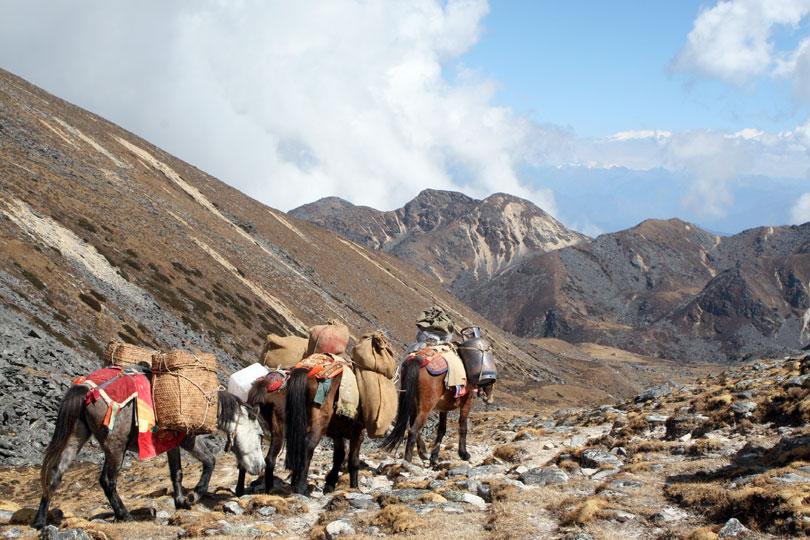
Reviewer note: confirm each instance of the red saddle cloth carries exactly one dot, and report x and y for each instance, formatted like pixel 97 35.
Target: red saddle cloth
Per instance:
pixel 276 380
pixel 430 359
pixel 118 387
pixel 436 364
pixel 321 366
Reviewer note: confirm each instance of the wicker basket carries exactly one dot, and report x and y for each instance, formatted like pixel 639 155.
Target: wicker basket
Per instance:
pixel 184 391
pixel 123 354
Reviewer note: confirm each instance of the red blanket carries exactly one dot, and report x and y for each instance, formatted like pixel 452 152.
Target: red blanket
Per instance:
pixel 321 366
pixel 118 387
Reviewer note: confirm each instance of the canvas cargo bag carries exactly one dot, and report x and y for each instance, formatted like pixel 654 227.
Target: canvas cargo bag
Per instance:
pixel 436 320
pixel 378 401
pixel 283 352
pixel 372 352
pixel 123 354
pixel 184 391
pixel 329 338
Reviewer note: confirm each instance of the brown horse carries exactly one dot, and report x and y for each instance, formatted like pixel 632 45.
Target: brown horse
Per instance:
pixel 307 422
pixel 420 394
pixel 76 422
pixel 273 410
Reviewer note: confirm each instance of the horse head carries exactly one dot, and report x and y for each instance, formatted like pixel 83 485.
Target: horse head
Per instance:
pixel 244 431
pixel 486 394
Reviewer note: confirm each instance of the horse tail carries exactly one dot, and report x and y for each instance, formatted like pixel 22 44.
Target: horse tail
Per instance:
pixel 296 418
pixel 70 410
pixel 406 408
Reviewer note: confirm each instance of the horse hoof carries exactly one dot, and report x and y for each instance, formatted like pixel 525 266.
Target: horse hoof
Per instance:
pixel 37 524
pixel 194 498
pixel 125 517
pixel 464 455
pixel 328 488
pixel 182 505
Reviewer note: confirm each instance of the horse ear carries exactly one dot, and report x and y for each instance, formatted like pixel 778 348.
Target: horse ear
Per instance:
pixel 255 411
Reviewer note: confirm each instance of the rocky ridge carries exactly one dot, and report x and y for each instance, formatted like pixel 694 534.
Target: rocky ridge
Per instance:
pixel 723 457
pixel 462 242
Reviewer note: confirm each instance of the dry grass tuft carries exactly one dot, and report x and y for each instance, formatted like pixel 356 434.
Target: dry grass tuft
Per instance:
pixel 508 452
pixel 529 434
pixel 585 512
pixel 284 506
pixel 704 533
pixel 501 490
pixel 396 519
pixel 508 522
pixel 723 400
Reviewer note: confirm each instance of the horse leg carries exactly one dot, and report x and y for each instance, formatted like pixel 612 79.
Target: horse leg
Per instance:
pixel 109 481
pixel 358 433
pixel 176 475
pixel 420 447
pixel 240 481
pixel 197 447
pixel 338 457
pixel 463 413
pixel 440 431
pixel 53 470
pixel 276 442
pixel 414 432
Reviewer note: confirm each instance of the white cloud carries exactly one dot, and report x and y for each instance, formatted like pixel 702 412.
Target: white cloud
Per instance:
pixel 800 213
pixel 732 40
pixel 287 101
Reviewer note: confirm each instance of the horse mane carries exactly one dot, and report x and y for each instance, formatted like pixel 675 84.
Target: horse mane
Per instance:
pixel 229 408
pixel 258 393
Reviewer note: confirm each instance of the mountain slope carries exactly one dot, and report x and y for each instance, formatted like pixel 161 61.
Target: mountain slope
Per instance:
pixel 461 241
pixel 105 236
pixel 664 287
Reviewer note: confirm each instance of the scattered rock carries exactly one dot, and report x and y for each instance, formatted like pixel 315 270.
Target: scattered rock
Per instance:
pixel 338 528
pixel 732 528
pixel 542 476
pixel 596 458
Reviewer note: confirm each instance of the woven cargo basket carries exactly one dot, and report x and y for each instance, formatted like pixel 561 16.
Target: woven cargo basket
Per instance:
pixel 123 354
pixel 184 391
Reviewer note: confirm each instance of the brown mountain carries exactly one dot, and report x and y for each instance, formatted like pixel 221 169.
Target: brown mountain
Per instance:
pixel 461 241
pixel 105 236
pixel 664 287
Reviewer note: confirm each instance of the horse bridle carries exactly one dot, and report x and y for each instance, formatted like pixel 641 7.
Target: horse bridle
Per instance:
pixel 232 434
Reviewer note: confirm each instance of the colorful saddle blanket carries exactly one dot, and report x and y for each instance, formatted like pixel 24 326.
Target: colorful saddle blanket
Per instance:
pixel 440 359
pixel 322 366
pixel 120 386
pixel 276 380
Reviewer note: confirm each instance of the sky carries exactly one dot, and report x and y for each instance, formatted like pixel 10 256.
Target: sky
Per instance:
pixel 603 114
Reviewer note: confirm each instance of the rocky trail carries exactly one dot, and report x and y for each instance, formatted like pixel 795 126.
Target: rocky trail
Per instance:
pixel 725 457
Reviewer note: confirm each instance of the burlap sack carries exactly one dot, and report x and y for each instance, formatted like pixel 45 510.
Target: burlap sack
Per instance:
pixel 378 401
pixel 329 338
pixel 373 353
pixel 123 354
pixel 184 391
pixel 283 352
pixel 349 394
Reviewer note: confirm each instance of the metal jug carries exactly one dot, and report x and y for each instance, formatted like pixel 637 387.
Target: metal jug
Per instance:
pixel 476 353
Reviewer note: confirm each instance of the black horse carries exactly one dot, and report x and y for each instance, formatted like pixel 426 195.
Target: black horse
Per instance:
pixel 76 422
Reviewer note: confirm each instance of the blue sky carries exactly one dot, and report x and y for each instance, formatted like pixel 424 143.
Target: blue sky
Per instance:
pixel 604 67
pixel 602 113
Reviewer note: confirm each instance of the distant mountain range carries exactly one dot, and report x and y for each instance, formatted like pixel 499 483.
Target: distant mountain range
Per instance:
pixel 665 288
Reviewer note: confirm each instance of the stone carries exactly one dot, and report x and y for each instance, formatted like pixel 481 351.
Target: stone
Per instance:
pixel 655 418
pixel 626 484
pixel 732 528
pixel 469 498
pixel 266 511
pixel 596 458
pixel 339 528
pixel 653 392
pixel 407 495
pixel 233 508
pixel 542 476
pixel 743 408
pixel 685 424
pixel 577 440
pixel 461 470
pixel 578 536
pixel 798 380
